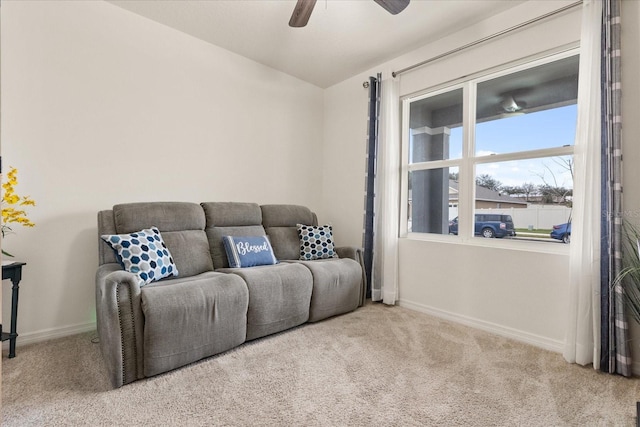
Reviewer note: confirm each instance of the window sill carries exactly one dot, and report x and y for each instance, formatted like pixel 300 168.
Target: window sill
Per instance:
pixel 513 244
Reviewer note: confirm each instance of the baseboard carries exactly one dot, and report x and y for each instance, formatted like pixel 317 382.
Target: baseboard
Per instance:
pixel 526 337
pixel 49 334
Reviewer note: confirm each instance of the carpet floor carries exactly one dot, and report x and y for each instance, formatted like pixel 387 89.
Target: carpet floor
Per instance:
pixel 382 366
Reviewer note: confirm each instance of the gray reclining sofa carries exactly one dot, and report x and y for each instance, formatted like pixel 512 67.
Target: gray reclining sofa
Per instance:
pixel 210 307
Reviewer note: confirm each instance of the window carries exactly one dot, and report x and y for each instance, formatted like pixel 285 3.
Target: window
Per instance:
pixel 492 157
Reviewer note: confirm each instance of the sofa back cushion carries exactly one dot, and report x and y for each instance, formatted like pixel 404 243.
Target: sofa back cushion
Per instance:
pixel 230 219
pixel 280 222
pixel 181 225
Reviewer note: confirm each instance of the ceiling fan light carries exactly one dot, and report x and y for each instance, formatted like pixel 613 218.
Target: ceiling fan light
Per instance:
pixel 509 105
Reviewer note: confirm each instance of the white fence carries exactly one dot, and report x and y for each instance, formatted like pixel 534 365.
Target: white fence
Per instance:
pixel 534 216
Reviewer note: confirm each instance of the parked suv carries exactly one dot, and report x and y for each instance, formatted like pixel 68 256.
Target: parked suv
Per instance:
pixel 488 225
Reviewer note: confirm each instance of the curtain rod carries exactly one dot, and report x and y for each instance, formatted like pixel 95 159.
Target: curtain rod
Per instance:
pixel 487 38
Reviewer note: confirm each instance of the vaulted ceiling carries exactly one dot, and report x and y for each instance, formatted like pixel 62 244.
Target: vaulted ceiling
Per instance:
pixel 343 37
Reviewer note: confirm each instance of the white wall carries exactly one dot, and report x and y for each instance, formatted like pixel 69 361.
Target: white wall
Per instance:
pixel 101 106
pixel 345 129
pixel 517 293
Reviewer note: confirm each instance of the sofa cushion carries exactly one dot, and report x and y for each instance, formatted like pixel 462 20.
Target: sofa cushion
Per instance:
pixel 285 242
pixel 189 319
pixel 230 219
pixel 182 227
pixel 337 285
pixel 280 224
pixel 248 251
pixel 286 215
pixel 231 214
pixel 144 254
pixel 279 297
pixel 316 242
pixel 167 216
pixel 190 250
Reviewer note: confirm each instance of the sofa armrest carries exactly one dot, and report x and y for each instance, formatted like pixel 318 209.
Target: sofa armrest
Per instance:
pixel 120 323
pixel 348 252
pixel 356 254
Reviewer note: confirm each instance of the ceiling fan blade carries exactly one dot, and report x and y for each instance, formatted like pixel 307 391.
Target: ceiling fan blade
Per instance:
pixel 301 13
pixel 393 6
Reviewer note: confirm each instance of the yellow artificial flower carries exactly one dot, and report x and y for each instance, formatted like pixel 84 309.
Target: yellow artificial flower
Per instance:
pixel 12 176
pixel 10 199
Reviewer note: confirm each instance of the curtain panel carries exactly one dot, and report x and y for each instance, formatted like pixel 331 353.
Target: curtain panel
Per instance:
pixel 583 322
pixel 615 355
pixel 368 229
pixel 380 237
pixel 387 210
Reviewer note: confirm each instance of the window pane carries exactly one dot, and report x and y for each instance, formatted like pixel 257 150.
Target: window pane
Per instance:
pixel 436 127
pixel 536 195
pixel 528 110
pixel 433 201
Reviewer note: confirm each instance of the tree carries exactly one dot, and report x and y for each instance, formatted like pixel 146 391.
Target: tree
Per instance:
pixel 553 194
pixel 551 190
pixel 528 189
pixel 487 181
pixel 511 190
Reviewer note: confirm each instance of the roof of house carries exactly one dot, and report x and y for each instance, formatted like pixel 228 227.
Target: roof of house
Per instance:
pixel 484 194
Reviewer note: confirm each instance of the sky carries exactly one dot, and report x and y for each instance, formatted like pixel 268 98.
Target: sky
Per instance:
pixel 544 129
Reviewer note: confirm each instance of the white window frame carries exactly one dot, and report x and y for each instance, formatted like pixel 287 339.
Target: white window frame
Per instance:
pixel 467 163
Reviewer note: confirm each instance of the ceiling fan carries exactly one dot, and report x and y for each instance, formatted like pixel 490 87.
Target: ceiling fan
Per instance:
pixel 303 10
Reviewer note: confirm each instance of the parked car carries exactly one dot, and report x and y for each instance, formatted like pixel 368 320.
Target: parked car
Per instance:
pixel 488 225
pixel 562 232
pixel 453 226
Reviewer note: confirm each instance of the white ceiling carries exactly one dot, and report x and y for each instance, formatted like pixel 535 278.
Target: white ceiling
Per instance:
pixel 343 37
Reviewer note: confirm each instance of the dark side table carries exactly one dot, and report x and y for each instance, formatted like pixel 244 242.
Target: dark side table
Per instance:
pixel 13 272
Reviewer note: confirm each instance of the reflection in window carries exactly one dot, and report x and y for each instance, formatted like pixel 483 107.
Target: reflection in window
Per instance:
pixel 528 110
pixel 431 123
pixel 433 200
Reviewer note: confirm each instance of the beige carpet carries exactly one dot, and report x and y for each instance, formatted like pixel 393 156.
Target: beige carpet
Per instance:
pixel 383 366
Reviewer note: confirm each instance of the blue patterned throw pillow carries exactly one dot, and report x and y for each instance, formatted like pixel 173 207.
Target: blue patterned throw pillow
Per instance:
pixel 316 242
pixel 248 251
pixel 144 254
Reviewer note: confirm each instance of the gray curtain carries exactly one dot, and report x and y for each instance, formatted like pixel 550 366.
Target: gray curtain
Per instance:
pixel 615 354
pixel 370 177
